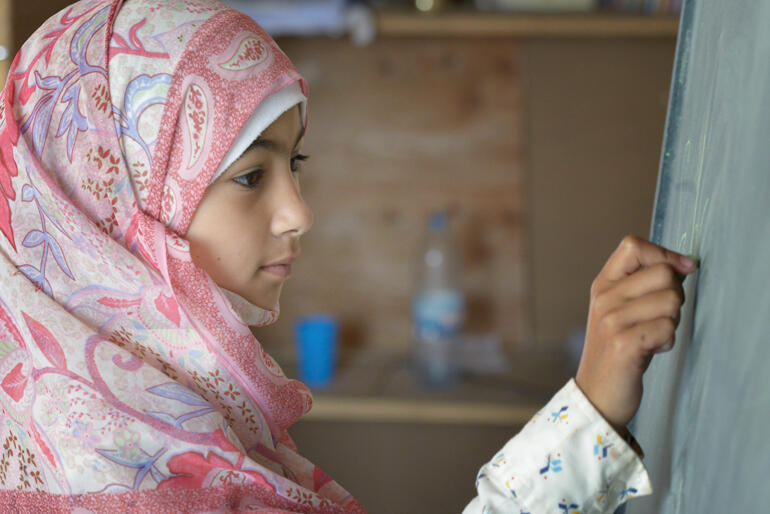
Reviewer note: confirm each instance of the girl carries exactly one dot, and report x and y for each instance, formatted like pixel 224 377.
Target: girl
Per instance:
pixel 151 211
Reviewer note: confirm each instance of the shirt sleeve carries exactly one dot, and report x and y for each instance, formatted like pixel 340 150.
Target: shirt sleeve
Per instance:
pixel 566 460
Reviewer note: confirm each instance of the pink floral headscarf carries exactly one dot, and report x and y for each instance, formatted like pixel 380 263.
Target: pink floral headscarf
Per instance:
pixel 128 380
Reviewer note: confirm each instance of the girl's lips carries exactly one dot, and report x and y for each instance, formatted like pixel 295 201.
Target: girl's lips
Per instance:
pixel 280 270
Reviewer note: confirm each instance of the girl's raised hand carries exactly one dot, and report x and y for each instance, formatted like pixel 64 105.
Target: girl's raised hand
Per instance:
pixel 633 314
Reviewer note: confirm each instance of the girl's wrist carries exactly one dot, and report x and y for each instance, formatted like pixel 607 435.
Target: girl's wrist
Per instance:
pixel 630 440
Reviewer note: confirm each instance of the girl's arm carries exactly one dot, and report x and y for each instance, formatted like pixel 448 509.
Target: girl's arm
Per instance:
pixel 566 459
pixel 576 453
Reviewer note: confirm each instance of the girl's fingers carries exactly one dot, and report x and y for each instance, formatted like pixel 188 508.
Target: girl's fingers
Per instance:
pixel 655 278
pixel 652 306
pixel 649 280
pixel 635 253
pixel 650 337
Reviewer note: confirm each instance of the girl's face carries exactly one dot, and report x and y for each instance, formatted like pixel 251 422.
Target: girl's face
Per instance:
pixel 246 231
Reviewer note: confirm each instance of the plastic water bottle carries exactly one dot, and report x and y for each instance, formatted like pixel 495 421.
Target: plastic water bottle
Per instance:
pixel 438 305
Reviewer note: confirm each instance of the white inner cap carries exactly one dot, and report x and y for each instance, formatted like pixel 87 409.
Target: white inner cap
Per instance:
pixel 266 113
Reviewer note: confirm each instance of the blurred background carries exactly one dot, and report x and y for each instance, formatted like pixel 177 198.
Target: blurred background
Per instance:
pixel 535 127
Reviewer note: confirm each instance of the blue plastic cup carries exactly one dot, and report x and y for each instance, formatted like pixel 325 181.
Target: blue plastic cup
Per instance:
pixel 316 342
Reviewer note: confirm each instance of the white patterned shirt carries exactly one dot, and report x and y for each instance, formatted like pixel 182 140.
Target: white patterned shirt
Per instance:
pixel 568 459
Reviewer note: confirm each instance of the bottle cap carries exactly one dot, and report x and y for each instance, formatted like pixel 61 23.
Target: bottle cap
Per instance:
pixel 438 221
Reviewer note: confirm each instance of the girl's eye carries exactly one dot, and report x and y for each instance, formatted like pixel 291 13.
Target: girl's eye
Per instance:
pixel 296 160
pixel 251 179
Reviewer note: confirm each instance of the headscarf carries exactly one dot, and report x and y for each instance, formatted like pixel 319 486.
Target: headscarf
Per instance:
pixel 128 380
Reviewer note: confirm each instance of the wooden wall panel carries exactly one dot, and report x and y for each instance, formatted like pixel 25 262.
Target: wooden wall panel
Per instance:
pixel 596 114
pixel 398 129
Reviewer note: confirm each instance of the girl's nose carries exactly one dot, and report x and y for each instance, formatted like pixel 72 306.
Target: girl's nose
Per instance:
pixel 291 215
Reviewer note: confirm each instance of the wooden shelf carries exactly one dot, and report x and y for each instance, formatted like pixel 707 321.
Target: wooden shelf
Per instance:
pixel 474 24
pixel 389 410
pixel 381 387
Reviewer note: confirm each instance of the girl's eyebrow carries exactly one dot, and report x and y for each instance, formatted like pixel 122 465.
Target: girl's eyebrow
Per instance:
pixel 274 146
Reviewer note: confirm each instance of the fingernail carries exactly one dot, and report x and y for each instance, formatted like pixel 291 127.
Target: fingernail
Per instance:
pixel 666 347
pixel 687 262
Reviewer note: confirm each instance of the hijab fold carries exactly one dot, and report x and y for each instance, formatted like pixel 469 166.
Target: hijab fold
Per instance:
pixel 128 380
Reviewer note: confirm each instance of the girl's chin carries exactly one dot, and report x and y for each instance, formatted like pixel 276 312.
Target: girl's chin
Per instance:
pixel 265 298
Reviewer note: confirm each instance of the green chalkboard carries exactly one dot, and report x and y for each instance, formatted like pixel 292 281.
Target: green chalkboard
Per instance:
pixel 704 422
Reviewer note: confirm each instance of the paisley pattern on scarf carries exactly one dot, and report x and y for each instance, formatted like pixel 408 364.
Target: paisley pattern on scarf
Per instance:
pixel 128 381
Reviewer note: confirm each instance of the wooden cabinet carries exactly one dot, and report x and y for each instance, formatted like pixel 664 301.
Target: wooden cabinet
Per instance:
pixel 587 114
pixel 546 147
pixel 404 468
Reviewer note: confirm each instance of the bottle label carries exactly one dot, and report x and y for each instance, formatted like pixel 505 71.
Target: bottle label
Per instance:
pixel 438 315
